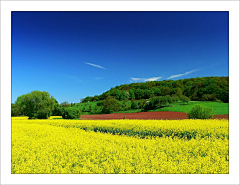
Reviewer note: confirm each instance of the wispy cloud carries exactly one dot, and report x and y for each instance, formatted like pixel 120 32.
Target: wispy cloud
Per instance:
pixel 152 79
pixel 94 65
pixel 145 79
pixel 186 73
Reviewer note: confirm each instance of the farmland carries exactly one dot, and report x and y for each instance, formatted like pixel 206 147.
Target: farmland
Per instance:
pixel 218 108
pixel 119 146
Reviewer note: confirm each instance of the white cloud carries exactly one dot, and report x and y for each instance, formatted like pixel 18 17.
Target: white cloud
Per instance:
pixel 152 79
pixel 94 65
pixel 186 73
pixel 145 79
pixel 137 79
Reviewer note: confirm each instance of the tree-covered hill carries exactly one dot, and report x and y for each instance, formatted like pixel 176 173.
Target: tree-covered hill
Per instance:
pixel 197 89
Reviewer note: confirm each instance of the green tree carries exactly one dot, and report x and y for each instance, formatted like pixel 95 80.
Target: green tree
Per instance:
pixel 165 91
pixel 111 105
pixel 59 111
pixel 95 98
pixel 134 105
pixel 148 93
pixel 185 99
pixel 179 92
pixel 65 104
pixel 131 95
pixel 156 91
pixel 124 95
pixel 139 94
pixel 147 106
pixel 118 95
pixel 175 98
pixel 141 103
pixel 55 110
pixel 16 110
pixel 126 105
pixel 169 100
pixel 36 104
pixel 71 113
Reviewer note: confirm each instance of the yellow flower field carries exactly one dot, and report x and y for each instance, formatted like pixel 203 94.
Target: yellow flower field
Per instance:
pixel 119 146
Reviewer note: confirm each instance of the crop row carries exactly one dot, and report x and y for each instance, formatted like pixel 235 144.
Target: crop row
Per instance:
pixel 149 128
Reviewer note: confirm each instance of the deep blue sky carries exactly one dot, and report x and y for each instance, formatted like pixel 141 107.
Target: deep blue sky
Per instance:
pixel 72 55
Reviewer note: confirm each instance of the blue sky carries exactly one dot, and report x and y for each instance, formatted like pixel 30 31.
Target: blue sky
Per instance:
pixel 72 55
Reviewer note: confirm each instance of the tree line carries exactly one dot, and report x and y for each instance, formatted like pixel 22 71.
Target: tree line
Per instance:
pixel 197 89
pixel 40 105
pixel 145 96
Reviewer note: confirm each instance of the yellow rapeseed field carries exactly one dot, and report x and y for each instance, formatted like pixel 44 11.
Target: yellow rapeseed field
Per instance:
pixel 119 146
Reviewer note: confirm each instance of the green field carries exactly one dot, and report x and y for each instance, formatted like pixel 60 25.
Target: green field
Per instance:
pixel 218 108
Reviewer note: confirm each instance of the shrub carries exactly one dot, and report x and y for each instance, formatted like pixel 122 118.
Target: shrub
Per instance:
pixel 200 112
pixel 71 113
pixel 134 105
pixel 111 105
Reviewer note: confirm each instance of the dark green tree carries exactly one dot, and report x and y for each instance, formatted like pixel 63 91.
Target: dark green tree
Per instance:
pixel 185 99
pixel 148 93
pixel 139 94
pixel 134 105
pixel 111 105
pixel 165 91
pixel 156 91
pixel 141 103
pixel 95 98
pixel 36 104
pixel 16 110
pixel 175 98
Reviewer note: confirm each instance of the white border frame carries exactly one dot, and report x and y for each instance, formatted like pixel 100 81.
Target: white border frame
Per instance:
pixel 8 6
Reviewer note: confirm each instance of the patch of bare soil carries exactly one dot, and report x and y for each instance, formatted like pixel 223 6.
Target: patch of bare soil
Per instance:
pixel 145 115
pixel 223 116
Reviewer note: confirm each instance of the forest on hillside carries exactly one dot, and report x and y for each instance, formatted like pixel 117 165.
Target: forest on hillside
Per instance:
pixel 197 89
